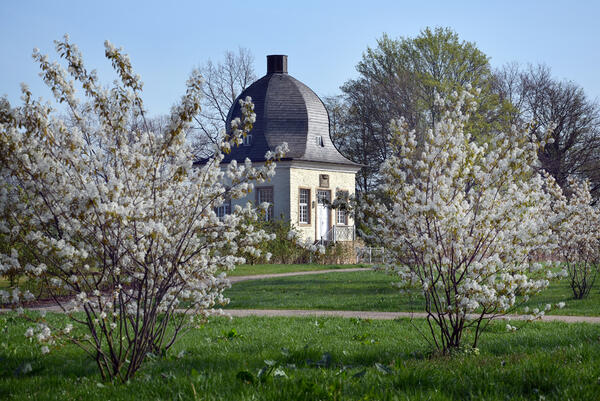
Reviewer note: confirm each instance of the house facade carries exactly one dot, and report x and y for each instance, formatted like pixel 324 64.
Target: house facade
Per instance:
pixel 309 176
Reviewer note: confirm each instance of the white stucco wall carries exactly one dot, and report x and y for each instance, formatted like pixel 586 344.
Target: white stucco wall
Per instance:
pixel 280 183
pixel 308 177
pixel 290 177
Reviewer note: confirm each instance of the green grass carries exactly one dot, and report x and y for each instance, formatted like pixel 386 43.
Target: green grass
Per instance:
pixel 250 270
pixel 324 358
pixel 5 283
pixel 371 291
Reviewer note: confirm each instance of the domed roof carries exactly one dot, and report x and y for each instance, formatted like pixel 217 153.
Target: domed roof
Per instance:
pixel 286 111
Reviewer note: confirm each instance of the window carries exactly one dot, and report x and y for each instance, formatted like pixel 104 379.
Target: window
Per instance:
pixel 342 198
pixel 223 210
pixel 304 206
pixel 319 140
pixel 247 140
pixel 266 195
pixel 324 197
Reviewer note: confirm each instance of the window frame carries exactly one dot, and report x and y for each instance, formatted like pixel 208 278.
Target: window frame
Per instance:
pixel 226 205
pixel 308 207
pixel 271 210
pixel 338 212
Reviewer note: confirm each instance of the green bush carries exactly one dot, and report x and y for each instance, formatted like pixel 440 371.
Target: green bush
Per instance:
pixel 284 250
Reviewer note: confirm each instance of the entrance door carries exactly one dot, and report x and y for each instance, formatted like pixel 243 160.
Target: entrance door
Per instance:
pixel 323 214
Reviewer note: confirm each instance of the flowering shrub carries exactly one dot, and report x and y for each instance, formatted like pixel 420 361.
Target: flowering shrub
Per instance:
pixel 578 236
pixel 461 221
pixel 118 218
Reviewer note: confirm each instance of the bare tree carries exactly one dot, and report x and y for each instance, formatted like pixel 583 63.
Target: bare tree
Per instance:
pixel 223 82
pixel 543 102
pixel 359 130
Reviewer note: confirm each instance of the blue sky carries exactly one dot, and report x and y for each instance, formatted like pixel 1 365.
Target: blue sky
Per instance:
pixel 323 39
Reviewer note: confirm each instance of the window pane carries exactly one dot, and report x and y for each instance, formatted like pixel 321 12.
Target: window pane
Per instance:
pixel 304 214
pixel 266 195
pixel 223 210
pixel 323 197
pixel 304 194
pixel 303 200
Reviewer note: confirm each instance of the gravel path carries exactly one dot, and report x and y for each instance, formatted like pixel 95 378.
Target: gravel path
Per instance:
pixel 237 279
pixel 388 315
pixel 355 314
pixel 341 313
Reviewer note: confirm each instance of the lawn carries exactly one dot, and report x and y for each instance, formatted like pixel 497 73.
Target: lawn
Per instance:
pixel 320 359
pixel 364 290
pixel 371 291
pixel 251 270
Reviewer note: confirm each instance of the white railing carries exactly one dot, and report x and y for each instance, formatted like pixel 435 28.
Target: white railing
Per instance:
pixel 343 233
pixel 339 233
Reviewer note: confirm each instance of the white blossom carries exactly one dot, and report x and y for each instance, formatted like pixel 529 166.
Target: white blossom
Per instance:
pixel 116 214
pixel 463 220
pixel 577 231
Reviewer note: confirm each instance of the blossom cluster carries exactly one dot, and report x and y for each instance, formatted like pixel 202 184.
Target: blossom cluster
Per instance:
pixel 577 232
pixel 462 220
pixel 305 243
pixel 116 215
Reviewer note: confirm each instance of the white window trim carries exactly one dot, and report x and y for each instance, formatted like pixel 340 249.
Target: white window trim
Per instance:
pixel 307 204
pixel 340 213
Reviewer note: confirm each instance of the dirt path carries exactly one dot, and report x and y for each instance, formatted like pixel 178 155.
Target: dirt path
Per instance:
pixel 388 315
pixel 237 279
pixel 356 314
pixel 341 313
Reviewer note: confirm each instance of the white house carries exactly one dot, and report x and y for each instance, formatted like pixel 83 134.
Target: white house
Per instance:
pixel 313 169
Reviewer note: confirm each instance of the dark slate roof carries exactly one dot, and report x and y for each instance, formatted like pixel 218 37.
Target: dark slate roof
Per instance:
pixel 286 111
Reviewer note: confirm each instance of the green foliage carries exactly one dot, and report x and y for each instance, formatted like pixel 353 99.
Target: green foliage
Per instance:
pixel 284 250
pixel 12 275
pixel 435 61
pixel 399 78
pixel 230 335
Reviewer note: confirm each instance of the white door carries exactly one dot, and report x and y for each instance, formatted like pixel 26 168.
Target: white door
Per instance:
pixel 323 199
